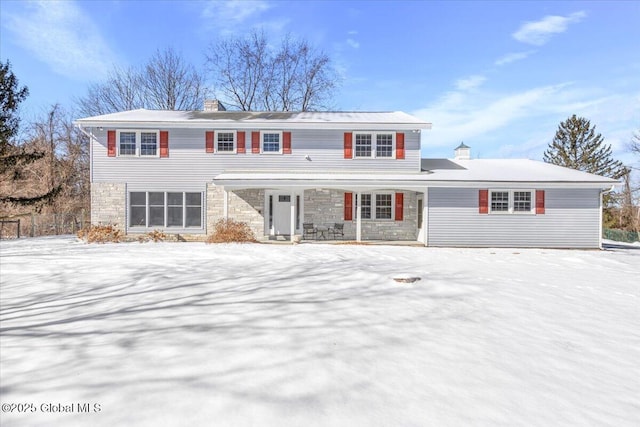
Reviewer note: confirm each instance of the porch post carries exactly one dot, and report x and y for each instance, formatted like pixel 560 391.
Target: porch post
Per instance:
pixel 425 217
pixel 225 203
pixel 358 218
pixel 293 215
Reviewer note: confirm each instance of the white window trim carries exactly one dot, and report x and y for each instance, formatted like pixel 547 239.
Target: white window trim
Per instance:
pixel 262 133
pixel 138 133
pixel 510 210
pixel 235 142
pixel 374 199
pixel 374 141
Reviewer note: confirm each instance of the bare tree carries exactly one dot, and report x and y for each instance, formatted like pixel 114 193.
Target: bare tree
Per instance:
pixel 165 82
pixel 171 84
pixel 634 145
pixel 251 76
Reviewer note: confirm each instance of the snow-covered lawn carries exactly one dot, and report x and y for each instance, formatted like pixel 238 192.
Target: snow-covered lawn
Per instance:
pixel 318 335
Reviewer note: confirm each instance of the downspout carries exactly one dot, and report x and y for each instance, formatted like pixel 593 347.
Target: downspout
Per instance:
pixel 602 193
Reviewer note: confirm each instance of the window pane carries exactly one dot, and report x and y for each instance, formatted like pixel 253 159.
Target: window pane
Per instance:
pixel 271 142
pixel 138 198
pixel 156 199
pixel 363 145
pixel 174 216
pixel 383 206
pixel 365 207
pixel 384 145
pixel 156 216
pixel 148 144
pixel 500 201
pixel 225 141
pixel 174 199
pixel 138 216
pixel 522 201
pixel 194 217
pixel 127 143
pixel 194 199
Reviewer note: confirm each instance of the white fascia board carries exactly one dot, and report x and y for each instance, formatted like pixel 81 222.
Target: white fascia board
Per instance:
pixel 521 184
pixel 253 125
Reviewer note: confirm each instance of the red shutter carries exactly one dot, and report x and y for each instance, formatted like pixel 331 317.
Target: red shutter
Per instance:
pixel 399 206
pixel 286 142
pixel 111 143
pixel 164 143
pixel 483 202
pixel 240 143
pixel 348 145
pixel 255 142
pixel 540 202
pixel 348 206
pixel 209 141
pixel 399 145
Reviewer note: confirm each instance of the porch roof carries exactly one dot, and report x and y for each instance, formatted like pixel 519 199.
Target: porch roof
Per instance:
pixel 477 173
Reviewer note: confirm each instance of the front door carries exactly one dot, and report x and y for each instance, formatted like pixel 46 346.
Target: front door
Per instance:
pixel 282 214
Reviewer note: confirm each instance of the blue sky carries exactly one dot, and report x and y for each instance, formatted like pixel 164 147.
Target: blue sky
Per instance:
pixel 499 76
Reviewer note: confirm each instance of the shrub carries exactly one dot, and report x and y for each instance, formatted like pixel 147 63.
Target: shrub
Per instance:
pixel 155 235
pixel 228 230
pixel 100 234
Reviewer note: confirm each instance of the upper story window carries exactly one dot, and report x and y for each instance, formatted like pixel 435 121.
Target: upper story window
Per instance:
pixel 138 143
pixel 271 142
pixel 374 145
pixel 226 142
pixel 511 201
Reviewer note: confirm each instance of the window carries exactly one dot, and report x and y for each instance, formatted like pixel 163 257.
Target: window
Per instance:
pixel 383 206
pixel 374 145
pixel 511 201
pixel 226 142
pixel 363 145
pixel 376 206
pixel 148 143
pixel 138 143
pixel 384 145
pixel 271 142
pixel 165 209
pixel 127 143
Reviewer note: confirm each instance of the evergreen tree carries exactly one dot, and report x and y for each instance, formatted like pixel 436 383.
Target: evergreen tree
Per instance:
pixel 577 146
pixel 14 157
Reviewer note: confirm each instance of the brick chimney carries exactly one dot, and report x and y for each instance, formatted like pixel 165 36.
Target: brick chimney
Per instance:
pixel 213 105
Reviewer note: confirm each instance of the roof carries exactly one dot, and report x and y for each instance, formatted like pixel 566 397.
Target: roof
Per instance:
pixel 507 170
pixel 327 119
pixel 519 173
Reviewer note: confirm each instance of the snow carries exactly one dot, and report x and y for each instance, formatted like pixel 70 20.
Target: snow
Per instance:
pixel 318 335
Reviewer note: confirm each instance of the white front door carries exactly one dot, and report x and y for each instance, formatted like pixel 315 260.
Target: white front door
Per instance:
pixel 282 214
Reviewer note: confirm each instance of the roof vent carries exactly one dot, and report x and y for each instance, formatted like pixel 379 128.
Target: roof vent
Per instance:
pixel 462 152
pixel 213 105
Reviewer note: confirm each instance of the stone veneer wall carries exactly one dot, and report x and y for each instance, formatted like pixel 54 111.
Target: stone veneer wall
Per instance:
pixel 325 207
pixel 108 204
pixel 243 205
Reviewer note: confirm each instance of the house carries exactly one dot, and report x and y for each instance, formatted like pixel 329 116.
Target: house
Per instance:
pixel 182 171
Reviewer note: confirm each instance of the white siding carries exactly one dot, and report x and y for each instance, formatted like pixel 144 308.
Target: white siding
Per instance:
pixel 571 219
pixel 190 166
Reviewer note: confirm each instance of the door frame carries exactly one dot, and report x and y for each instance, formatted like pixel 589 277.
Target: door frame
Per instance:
pixel 297 197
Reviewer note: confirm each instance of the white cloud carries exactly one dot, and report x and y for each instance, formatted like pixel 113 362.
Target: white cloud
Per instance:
pixel 539 32
pixel 59 34
pixel 227 15
pixel 513 57
pixel 354 44
pixel 469 83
